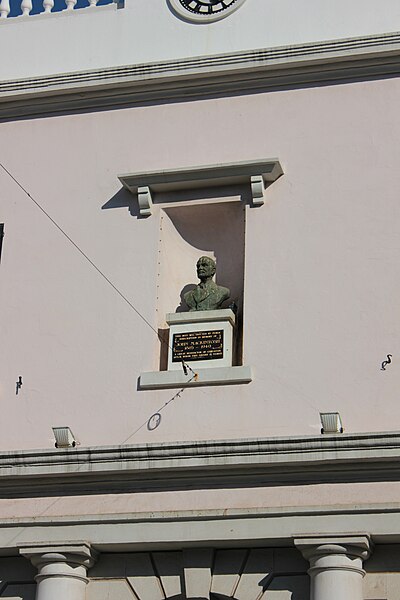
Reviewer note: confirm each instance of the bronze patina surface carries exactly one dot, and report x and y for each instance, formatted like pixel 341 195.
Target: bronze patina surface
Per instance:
pixel 207 295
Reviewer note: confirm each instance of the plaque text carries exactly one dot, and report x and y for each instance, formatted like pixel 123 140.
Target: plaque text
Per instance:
pixel 198 345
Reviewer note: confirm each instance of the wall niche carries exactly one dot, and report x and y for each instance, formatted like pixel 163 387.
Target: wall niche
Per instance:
pixel 202 212
pixel 214 229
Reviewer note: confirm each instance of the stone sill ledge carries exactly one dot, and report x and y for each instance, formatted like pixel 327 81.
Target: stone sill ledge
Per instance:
pixel 177 379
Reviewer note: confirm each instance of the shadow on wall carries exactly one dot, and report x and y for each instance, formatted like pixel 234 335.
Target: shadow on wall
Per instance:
pixel 204 221
pixel 19 591
pixel 125 199
pixel 199 574
pixel 189 232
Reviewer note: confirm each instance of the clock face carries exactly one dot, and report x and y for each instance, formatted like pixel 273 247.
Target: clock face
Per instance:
pixel 204 11
pixel 206 7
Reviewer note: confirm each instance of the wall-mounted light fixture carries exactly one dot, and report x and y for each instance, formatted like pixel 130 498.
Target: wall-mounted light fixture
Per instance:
pixel 64 437
pixel 331 422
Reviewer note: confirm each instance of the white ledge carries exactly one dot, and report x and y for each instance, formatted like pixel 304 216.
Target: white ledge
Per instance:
pixel 201 316
pixel 213 376
pixel 257 173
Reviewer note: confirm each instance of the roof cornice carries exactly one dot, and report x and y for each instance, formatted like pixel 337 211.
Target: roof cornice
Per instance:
pixel 241 72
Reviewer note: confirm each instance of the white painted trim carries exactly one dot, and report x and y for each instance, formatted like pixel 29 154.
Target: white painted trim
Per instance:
pixel 201 316
pixel 193 465
pixel 273 451
pixel 270 58
pixel 207 515
pixel 262 69
pixel 154 380
pixel 152 532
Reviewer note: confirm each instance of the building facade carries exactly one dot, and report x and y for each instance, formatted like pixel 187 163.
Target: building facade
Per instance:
pixel 135 139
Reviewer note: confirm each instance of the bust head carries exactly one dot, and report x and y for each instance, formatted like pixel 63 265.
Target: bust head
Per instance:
pixel 206 268
pixel 207 295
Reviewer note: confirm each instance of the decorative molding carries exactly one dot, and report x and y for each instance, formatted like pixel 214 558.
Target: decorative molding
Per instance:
pixel 145 200
pixel 256 173
pixel 207 464
pixel 201 316
pixel 79 553
pixel 357 545
pixel 257 189
pixel 241 72
pixel 214 528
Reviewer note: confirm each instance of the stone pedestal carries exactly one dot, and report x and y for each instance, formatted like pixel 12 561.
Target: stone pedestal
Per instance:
pixel 203 339
pixel 62 570
pixel 336 566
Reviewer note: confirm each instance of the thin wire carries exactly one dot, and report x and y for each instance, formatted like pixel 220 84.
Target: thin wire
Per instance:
pixel 86 257
pixel 78 248
pixel 177 395
pixel 185 366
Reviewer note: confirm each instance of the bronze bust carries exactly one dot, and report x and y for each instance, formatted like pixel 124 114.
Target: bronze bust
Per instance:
pixel 207 295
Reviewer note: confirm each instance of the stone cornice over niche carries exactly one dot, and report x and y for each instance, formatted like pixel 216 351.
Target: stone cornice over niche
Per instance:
pixel 257 173
pixel 247 71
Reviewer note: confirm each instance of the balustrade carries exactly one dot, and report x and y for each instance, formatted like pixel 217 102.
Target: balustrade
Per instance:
pixel 4 9
pixel 25 8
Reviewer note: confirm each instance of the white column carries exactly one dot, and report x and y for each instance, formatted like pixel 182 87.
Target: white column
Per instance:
pixel 62 570
pixel 336 565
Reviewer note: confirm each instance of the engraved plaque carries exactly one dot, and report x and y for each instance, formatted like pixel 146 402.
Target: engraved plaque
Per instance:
pixel 198 345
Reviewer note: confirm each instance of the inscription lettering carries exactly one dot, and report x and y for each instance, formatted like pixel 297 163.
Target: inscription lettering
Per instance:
pixel 198 345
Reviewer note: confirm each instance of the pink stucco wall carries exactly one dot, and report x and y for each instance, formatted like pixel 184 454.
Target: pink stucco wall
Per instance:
pixel 321 268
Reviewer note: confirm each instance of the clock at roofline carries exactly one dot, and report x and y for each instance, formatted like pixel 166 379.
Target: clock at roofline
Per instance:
pixel 204 11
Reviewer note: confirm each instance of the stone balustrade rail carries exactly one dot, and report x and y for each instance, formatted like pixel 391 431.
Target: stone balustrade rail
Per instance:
pixel 24 8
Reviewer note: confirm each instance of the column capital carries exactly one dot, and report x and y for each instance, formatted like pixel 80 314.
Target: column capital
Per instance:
pixel 336 564
pixel 79 553
pixel 62 568
pixel 357 546
pixel 68 560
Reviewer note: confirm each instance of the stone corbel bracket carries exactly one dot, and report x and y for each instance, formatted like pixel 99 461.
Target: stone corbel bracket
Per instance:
pixel 258 174
pixel 145 200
